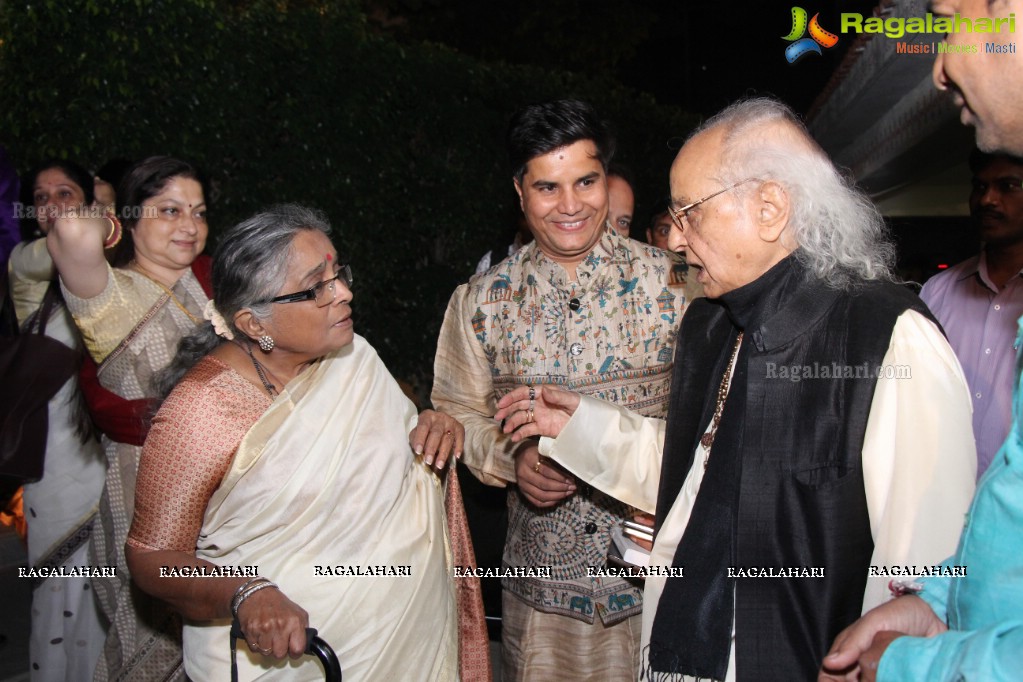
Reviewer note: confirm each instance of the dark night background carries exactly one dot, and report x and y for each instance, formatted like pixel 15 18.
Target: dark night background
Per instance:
pixel 699 56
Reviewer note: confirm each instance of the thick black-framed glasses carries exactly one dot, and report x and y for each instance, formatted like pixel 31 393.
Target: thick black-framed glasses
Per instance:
pixel 680 214
pixel 323 293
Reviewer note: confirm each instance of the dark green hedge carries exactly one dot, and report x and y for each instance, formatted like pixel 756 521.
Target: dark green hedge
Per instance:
pixel 401 145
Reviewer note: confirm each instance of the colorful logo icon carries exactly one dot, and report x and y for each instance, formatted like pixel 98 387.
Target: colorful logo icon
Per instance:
pixel 803 46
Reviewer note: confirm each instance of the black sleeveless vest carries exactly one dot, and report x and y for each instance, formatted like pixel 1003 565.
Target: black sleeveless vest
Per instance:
pixel 801 499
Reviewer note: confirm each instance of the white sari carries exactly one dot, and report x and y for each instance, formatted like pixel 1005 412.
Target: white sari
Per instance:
pixel 326 478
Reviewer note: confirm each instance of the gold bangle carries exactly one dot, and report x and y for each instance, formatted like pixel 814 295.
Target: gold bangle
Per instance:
pixel 113 238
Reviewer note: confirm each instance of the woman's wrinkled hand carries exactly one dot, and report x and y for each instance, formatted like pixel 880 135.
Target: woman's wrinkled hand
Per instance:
pixel 273 624
pixel 536 411
pixel 436 437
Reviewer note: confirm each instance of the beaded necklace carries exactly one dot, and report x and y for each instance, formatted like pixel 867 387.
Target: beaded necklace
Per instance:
pixel 707 439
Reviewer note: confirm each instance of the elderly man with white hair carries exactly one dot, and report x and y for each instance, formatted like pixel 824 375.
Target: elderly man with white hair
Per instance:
pixel 819 428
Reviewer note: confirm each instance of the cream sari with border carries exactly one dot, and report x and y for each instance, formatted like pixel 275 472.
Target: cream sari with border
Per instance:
pixel 325 483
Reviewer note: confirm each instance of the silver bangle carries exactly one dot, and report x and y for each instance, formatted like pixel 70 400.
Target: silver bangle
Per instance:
pixel 241 588
pixel 248 593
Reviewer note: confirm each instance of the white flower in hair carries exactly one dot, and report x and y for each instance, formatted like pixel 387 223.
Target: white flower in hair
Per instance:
pixel 219 323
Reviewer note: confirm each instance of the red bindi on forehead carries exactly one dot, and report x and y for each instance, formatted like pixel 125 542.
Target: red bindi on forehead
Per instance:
pixel 329 257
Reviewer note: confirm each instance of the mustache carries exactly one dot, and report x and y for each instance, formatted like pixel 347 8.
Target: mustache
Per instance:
pixel 982 213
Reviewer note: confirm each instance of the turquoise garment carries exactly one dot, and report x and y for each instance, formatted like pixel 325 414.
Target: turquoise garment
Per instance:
pixel 984 610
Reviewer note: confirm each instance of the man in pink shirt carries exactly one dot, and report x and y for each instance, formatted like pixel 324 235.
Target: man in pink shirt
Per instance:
pixel 979 300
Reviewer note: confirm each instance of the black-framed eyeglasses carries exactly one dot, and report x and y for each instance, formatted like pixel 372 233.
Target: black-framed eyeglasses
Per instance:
pixel 678 214
pixel 323 293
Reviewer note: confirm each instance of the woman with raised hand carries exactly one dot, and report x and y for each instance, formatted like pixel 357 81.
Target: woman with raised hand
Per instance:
pixel 131 317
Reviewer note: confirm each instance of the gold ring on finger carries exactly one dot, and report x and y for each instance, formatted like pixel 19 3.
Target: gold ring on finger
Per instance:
pixel 536 467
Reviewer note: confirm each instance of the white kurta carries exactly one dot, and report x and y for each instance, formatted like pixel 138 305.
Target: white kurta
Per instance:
pixel 919 462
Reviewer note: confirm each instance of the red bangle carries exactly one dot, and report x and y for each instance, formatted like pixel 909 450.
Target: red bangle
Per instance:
pixel 114 236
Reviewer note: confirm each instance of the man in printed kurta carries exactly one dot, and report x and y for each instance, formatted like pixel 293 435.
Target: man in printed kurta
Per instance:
pixel 580 307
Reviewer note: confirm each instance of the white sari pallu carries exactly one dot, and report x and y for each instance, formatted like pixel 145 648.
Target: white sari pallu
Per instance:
pixel 326 483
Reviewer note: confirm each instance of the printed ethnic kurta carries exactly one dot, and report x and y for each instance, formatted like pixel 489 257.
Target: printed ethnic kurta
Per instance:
pixel 609 334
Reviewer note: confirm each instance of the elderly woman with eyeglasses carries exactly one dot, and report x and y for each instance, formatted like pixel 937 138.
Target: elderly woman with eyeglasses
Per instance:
pixel 288 467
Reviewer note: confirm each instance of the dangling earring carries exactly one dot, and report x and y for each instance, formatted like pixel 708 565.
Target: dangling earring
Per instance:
pixel 266 343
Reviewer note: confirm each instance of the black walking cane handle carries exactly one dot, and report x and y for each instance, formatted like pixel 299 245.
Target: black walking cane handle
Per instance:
pixel 315 646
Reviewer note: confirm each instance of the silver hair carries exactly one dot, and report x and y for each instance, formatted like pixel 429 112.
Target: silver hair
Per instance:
pixel 249 268
pixel 251 264
pixel 842 237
